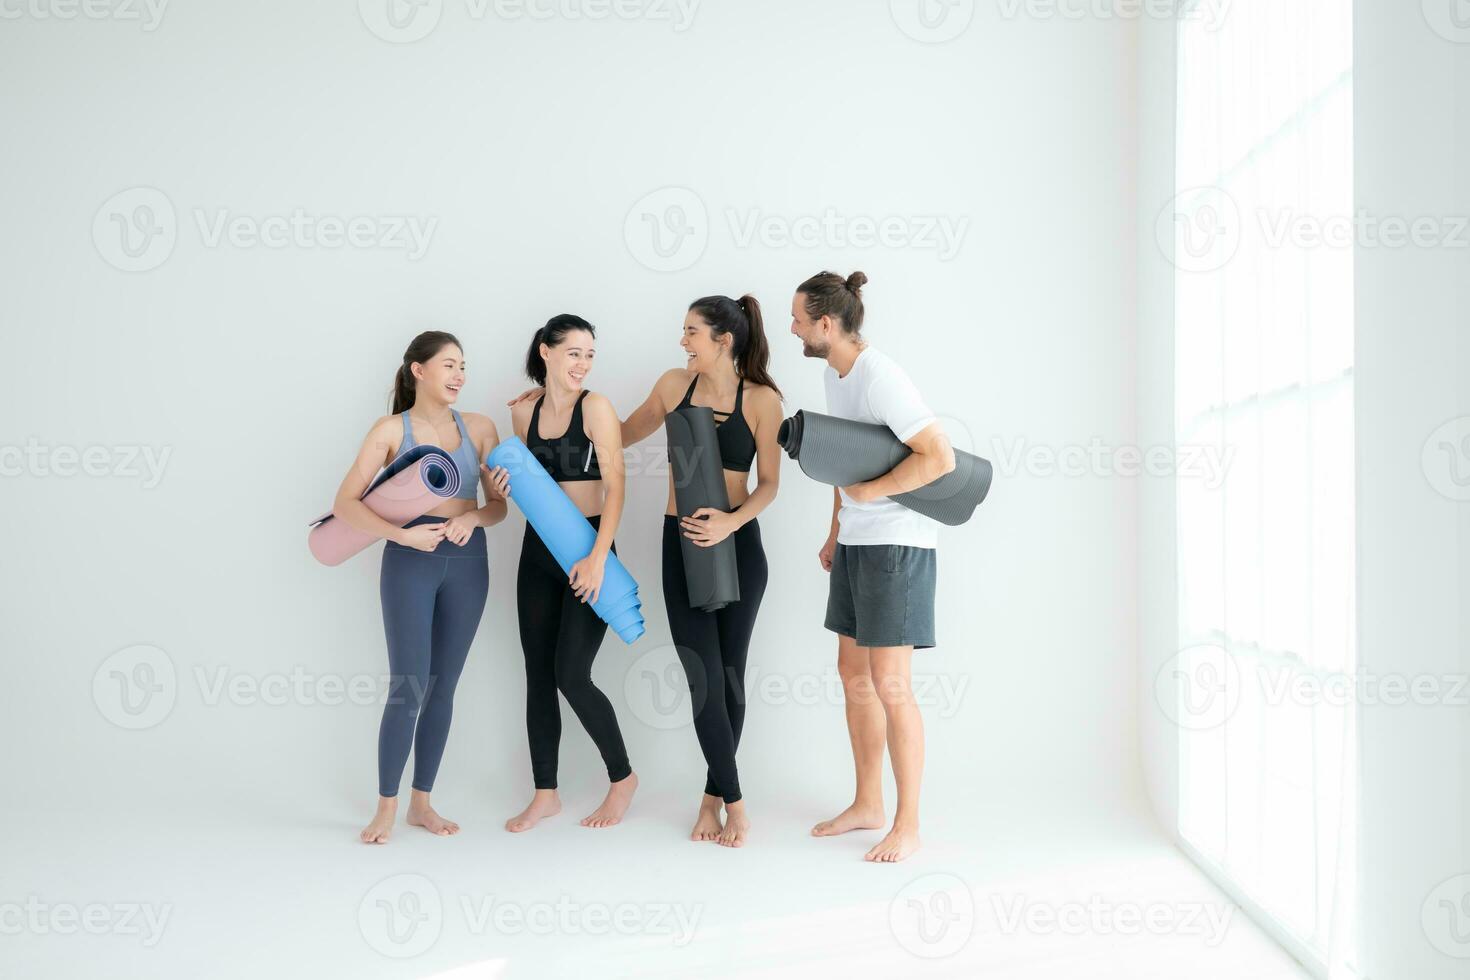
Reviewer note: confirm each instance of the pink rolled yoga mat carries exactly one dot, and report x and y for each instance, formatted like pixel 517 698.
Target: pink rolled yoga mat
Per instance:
pixel 409 487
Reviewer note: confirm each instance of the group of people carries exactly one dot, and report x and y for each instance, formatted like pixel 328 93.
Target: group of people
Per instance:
pixel 435 577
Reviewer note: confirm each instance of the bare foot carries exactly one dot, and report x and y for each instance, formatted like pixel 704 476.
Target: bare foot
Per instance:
pixel 737 825
pixel 859 816
pixel 708 826
pixel 615 804
pixel 381 828
pixel 421 814
pixel 901 841
pixel 544 804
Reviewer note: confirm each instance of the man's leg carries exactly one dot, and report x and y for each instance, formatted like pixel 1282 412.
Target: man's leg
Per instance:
pixel 905 729
pixel 865 728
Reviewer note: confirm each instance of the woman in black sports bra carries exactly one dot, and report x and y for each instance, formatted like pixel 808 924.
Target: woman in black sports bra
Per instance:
pixel 560 634
pixel 727 371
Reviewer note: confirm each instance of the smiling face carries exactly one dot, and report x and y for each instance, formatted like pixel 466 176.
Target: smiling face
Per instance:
pixel 700 343
pixel 814 334
pixel 441 377
pixel 568 362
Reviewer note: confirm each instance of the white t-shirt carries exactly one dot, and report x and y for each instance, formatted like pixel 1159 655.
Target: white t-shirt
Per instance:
pixel 876 390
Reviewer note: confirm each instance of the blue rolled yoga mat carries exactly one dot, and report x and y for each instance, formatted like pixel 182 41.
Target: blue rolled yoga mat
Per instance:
pixel 568 535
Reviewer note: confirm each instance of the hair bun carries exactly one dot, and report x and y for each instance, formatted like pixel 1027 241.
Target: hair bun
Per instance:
pixel 857 281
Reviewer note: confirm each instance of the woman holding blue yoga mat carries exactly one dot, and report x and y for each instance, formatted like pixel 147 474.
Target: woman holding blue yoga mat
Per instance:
pixel 560 632
pixel 435 572
pixel 726 372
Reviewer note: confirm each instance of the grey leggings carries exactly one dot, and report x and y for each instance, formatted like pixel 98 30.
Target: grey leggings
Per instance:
pixel 432 603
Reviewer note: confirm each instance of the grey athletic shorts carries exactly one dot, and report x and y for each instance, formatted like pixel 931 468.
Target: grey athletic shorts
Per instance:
pixel 882 595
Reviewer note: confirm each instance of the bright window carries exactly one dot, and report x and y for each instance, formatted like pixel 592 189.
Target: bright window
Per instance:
pixel 1264 234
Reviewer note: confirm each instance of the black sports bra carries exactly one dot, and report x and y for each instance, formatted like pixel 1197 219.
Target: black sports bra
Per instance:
pixel 737 443
pixel 570 456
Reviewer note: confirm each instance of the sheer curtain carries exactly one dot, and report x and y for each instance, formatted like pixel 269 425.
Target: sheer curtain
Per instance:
pixel 1263 245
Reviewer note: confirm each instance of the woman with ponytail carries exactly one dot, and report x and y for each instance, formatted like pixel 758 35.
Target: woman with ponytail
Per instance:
pixel 435 572
pixel 726 371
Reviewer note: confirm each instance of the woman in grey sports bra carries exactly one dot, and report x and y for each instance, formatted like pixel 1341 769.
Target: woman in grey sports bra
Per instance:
pixel 435 572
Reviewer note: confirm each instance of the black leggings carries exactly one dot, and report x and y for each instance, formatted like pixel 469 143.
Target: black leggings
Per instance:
pixel 713 648
pixel 560 636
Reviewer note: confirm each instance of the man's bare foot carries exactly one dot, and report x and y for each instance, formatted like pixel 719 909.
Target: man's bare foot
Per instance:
pixel 859 816
pixel 615 804
pixel 546 803
pixel 901 841
pixel 708 826
pixel 421 814
pixel 737 825
pixel 381 828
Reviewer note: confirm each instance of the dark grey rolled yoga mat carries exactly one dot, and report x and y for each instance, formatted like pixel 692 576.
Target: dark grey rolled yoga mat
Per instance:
pixel 841 452
pixel 699 481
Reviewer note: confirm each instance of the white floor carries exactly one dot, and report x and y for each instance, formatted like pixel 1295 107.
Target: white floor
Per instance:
pixel 170 892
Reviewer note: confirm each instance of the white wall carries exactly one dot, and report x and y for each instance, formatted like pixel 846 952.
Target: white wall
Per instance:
pixel 259 369
pixel 1413 153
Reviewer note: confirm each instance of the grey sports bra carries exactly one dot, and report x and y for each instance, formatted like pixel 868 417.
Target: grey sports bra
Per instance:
pixel 465 458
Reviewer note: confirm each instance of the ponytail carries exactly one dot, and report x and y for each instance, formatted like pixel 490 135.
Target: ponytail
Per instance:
pixel 422 348
pixel 742 319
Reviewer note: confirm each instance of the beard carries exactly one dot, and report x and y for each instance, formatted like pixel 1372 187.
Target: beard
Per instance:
pixel 815 350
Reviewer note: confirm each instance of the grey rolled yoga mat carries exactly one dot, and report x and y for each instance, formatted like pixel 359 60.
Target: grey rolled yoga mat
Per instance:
pixel 841 452
pixel 699 481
